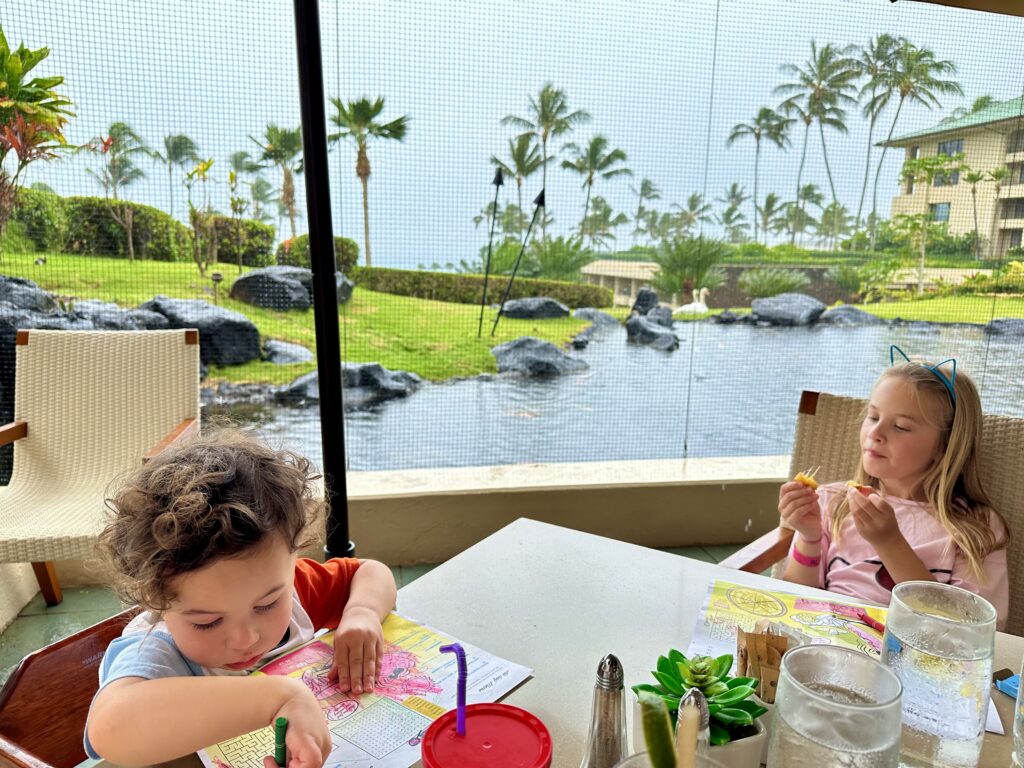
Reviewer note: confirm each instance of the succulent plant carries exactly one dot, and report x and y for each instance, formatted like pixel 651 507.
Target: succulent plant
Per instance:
pixel 729 707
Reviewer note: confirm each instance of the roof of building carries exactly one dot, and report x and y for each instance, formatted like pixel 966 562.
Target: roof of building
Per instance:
pixel 1005 110
pixel 637 270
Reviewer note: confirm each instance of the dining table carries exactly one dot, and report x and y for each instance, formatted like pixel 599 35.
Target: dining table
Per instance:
pixel 557 600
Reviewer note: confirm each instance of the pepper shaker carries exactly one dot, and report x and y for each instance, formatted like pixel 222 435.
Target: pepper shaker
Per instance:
pixel 606 740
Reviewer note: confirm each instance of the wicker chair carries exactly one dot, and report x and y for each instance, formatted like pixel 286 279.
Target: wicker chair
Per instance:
pixel 826 436
pixel 31 735
pixel 88 405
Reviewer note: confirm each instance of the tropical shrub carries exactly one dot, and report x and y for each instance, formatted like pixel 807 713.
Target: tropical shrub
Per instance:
pixel 846 277
pixel 467 289
pixel 257 241
pixel 560 258
pixel 1007 279
pixel 688 263
pixel 43 218
pixel 875 278
pixel 747 252
pixel 93 231
pixel 295 252
pixel 771 281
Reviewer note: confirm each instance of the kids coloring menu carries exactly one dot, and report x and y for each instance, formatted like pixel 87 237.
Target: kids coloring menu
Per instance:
pixel 382 729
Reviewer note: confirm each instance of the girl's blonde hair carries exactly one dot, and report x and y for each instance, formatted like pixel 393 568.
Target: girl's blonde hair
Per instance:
pixel 951 485
pixel 222 494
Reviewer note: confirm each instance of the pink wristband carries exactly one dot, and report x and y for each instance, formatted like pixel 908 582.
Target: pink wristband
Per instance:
pixel 810 562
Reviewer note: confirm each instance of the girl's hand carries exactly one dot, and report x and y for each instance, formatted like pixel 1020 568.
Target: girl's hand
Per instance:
pixel 358 648
pixel 799 509
pixel 308 740
pixel 874 518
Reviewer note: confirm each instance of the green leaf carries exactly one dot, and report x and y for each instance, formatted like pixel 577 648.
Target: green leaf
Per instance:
pixel 685 675
pixel 719 735
pixel 734 716
pixel 669 683
pixel 648 687
pixel 722 665
pixel 716 689
pixel 733 695
pixel 734 682
pixel 666 667
pixel 675 656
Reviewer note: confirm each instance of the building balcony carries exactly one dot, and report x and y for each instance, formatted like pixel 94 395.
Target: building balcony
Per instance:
pixel 1015 157
pixel 1011 223
pixel 1011 191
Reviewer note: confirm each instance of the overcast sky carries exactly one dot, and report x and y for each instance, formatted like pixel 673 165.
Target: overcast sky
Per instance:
pixel 220 71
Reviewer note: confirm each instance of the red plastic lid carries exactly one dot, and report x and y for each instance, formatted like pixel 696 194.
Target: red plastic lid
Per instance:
pixel 497 736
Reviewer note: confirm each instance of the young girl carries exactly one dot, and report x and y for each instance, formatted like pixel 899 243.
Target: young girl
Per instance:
pixel 920 512
pixel 204 538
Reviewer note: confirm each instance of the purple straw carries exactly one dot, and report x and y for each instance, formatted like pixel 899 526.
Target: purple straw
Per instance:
pixel 460 658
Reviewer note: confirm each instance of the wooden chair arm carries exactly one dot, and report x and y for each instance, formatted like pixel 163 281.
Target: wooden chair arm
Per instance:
pixel 183 431
pixel 13 431
pixel 761 554
pixel 13 756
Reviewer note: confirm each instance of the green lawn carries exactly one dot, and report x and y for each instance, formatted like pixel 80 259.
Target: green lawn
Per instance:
pixel 950 309
pixel 434 339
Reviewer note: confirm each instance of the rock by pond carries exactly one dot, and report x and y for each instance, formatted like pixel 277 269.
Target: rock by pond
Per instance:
pixel 534 358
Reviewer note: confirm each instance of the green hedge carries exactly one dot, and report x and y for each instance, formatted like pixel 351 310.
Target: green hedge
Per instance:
pixel 43 218
pixel 257 239
pixel 467 289
pixel 93 231
pixel 295 252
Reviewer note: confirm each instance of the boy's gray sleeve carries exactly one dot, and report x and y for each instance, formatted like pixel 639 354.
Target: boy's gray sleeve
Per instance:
pixel 151 655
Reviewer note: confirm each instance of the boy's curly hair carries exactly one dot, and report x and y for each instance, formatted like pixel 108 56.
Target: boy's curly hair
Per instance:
pixel 218 495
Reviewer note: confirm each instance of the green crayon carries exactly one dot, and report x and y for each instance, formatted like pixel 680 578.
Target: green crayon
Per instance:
pixel 280 728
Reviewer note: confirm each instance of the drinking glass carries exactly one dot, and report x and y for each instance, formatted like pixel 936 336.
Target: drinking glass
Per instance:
pixel 835 708
pixel 939 640
pixel 1018 726
pixel 640 760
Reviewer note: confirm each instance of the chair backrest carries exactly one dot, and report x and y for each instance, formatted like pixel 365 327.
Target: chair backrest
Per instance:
pixel 827 430
pixel 45 701
pixel 96 401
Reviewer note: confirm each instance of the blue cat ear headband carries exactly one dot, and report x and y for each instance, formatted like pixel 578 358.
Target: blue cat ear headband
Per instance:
pixel 947 382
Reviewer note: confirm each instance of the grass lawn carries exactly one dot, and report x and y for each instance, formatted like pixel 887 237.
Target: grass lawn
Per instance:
pixel 437 340
pixel 950 309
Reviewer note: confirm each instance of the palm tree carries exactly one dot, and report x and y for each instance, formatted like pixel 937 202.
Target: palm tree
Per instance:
pixel 599 225
pixel 524 158
pixel 875 61
pixel 283 147
pixel 980 103
pixel 770 212
pixel 974 178
pixel 833 224
pixel 549 116
pixel 119 150
pixel 595 161
pixel 179 150
pixel 262 194
pixel 647 191
pixel 819 92
pixel 696 212
pixel 997 176
pixel 661 226
pixel 767 124
pixel 358 122
pixel 735 196
pixel 795 220
pixel 916 75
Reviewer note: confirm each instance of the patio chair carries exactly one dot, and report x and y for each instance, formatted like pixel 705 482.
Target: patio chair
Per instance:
pixel 826 435
pixel 88 406
pixel 45 701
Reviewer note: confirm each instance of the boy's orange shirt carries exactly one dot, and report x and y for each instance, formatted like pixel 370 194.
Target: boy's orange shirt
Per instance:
pixel 323 588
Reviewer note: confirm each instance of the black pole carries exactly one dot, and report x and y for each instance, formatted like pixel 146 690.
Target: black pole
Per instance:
pixel 325 290
pixel 499 179
pixel 538 203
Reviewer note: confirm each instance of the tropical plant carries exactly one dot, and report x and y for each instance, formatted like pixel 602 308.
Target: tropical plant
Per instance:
pixel 549 116
pixel 599 226
pixel 926 170
pixel 734 223
pixel 524 158
pixel 875 61
pixel 833 224
pixel 795 220
pixel 767 124
pixel 997 176
pixel 729 706
pixel 238 206
pixel 689 263
pixel 179 151
pixel 647 191
pixel 846 277
pixel 695 213
pixel 592 162
pixel 763 282
pixel 915 76
pixel 261 192
pixel 980 103
pixel 560 258
pixel 974 178
pixel 282 147
pixel 875 278
pixel 358 123
pixel 662 225
pixel 119 170
pixel 201 218
pixel 32 118
pixel 770 213
pixel 819 92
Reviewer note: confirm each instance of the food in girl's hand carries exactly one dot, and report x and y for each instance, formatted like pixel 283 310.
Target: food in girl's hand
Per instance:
pixel 865 490
pixel 807 478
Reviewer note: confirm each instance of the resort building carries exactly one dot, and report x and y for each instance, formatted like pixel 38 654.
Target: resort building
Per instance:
pixel 990 138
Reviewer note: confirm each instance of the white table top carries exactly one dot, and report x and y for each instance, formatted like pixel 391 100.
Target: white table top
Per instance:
pixel 557 600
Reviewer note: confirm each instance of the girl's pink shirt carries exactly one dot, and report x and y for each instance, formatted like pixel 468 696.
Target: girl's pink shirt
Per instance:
pixel 852 567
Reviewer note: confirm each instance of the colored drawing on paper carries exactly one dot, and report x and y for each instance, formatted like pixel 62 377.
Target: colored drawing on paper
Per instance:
pixel 730 606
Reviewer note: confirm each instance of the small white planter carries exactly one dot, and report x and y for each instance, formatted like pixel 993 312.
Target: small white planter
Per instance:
pixel 744 753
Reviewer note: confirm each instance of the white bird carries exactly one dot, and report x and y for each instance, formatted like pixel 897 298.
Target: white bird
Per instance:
pixel 697 307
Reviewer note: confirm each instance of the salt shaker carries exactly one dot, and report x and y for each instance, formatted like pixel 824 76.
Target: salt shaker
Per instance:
pixel 606 740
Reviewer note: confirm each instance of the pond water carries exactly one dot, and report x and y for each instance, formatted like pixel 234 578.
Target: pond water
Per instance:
pixel 742 384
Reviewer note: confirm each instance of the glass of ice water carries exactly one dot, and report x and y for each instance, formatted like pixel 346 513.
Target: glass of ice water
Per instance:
pixel 939 640
pixel 1018 727
pixel 835 708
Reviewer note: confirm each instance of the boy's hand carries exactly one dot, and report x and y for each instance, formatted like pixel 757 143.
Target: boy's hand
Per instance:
pixel 799 509
pixel 358 648
pixel 874 518
pixel 308 740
